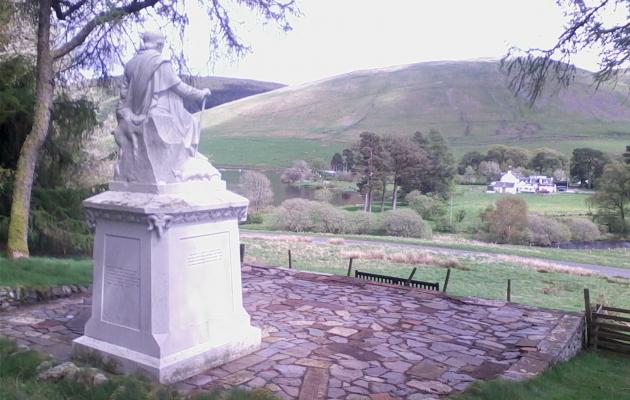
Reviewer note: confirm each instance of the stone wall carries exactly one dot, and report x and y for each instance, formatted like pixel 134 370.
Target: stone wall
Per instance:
pixel 575 342
pixel 16 296
pixel 563 343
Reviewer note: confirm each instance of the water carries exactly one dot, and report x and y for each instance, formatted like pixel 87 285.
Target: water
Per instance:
pixel 282 191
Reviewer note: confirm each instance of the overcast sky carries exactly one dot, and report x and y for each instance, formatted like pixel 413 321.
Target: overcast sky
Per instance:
pixel 338 36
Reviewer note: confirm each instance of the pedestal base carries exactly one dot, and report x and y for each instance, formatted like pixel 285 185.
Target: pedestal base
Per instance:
pixel 175 367
pixel 167 298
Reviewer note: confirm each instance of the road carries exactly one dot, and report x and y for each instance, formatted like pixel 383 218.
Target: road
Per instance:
pixel 600 269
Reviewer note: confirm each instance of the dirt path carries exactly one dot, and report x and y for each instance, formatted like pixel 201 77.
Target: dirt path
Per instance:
pixel 601 269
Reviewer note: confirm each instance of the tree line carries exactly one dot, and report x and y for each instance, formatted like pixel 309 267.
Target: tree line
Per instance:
pixel 422 162
pixel 585 166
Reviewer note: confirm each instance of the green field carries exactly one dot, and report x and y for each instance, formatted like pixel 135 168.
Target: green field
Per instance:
pixel 265 152
pixel 589 376
pixel 44 271
pixel 476 276
pixel 618 258
pixel 474 199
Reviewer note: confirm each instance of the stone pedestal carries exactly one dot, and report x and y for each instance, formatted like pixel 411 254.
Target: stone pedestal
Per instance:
pixel 167 298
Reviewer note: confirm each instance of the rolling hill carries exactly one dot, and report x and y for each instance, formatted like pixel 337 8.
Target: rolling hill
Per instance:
pixel 468 101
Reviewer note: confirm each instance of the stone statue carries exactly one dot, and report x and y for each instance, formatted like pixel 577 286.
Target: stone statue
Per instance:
pixel 168 300
pixel 157 136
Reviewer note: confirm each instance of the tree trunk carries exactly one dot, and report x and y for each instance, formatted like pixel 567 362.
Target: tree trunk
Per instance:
pixel 383 195
pixel 17 246
pixel 395 196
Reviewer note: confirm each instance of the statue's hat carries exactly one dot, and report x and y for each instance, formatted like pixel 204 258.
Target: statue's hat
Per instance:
pixel 153 37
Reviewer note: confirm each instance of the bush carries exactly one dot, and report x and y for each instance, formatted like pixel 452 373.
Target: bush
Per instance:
pixel 506 221
pixel 293 215
pixel 362 223
pixel 254 218
pixel 327 218
pixel 324 195
pixel 546 231
pixel 300 215
pixel 582 229
pixel 406 223
pixel 429 207
pixel 344 176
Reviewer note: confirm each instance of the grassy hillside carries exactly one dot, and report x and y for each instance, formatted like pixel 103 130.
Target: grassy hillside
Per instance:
pixel 468 101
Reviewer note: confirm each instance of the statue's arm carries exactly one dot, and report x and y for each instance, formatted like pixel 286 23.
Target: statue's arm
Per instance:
pixel 187 91
pixel 122 111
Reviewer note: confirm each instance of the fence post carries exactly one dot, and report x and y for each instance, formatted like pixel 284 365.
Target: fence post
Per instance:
pixel 448 275
pixel 242 251
pixel 413 272
pixel 509 291
pixel 587 314
pixel 290 264
pixel 349 267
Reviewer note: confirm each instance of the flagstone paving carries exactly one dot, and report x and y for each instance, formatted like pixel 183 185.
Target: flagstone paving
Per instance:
pixel 332 337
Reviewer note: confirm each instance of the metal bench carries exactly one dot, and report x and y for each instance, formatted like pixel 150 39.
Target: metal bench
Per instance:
pixel 394 280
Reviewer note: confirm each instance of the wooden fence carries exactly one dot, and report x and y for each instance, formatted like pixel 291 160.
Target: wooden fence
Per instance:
pixel 607 327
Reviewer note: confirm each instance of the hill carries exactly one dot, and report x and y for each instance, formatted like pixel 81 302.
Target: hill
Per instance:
pixel 223 89
pixel 468 101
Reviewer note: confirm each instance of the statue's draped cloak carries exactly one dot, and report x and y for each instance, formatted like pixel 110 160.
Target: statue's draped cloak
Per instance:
pixel 151 93
pixel 166 132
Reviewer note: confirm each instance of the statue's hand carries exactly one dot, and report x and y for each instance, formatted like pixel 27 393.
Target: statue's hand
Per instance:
pixel 205 93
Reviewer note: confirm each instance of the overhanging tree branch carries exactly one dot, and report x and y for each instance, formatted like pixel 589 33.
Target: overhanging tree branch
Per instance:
pixel 530 70
pixel 100 19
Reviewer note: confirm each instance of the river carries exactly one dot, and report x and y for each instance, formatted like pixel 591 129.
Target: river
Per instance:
pixel 283 191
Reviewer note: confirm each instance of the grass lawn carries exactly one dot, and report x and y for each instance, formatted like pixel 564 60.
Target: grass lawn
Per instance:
pixel 589 376
pixel 618 258
pixel 476 276
pixel 43 271
pixel 473 199
pixel 18 382
pixel 265 152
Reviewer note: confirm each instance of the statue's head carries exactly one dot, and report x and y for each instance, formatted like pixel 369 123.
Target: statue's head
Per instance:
pixel 153 40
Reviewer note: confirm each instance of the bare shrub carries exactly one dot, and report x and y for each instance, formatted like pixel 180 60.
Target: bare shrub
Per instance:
pixel 337 241
pixel 361 223
pixel 582 229
pixel 422 258
pixel 545 231
pixel 327 218
pixel 370 254
pixel 299 215
pixel 400 258
pixel 375 254
pixel 356 254
pixel 324 195
pixel 546 266
pixel 298 172
pixel 257 188
pixel 406 223
pixel 506 221
pixel 293 215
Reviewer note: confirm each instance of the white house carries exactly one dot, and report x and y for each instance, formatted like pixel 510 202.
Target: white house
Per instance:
pixel 513 183
pixel 509 183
